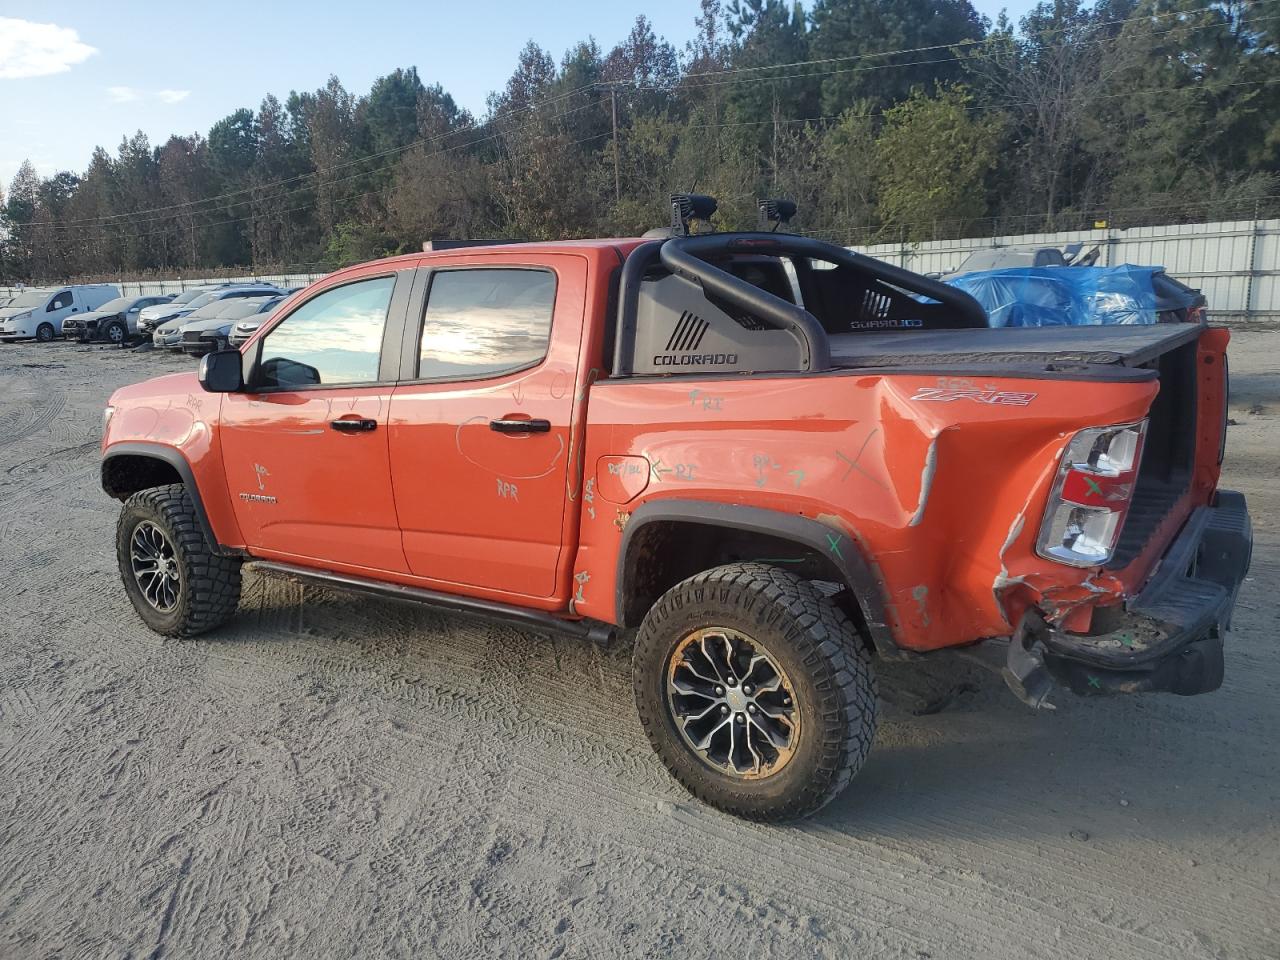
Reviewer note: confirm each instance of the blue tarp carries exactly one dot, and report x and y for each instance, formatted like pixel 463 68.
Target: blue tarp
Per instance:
pixel 1064 296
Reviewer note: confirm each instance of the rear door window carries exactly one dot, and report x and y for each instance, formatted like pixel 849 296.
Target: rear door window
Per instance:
pixel 485 322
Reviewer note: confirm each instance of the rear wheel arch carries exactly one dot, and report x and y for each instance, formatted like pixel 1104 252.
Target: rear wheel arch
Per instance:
pixel 128 468
pixel 667 541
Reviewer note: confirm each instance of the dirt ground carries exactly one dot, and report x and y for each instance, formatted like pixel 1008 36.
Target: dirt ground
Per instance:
pixel 332 776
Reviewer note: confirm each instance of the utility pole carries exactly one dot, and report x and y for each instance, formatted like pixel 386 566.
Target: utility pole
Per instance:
pixel 617 175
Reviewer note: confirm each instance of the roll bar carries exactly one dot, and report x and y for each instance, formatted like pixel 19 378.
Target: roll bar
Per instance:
pixel 686 257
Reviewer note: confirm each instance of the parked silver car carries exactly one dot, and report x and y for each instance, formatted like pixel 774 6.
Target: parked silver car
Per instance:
pixel 116 321
pixel 203 336
pixel 221 292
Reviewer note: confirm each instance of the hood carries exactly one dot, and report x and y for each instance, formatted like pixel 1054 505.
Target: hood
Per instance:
pixel 213 323
pixel 7 312
pixel 99 315
pixel 172 385
pixel 161 310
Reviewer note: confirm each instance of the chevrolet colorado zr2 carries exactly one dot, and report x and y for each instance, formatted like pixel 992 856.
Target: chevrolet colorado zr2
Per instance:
pixel 768 460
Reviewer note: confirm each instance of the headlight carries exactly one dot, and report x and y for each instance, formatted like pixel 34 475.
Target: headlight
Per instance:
pixel 21 316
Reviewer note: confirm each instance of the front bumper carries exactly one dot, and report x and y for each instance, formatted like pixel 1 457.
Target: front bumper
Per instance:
pixel 1170 636
pixel 167 341
pixel 198 348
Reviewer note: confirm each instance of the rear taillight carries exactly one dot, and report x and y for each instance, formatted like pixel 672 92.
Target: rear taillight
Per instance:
pixel 1091 495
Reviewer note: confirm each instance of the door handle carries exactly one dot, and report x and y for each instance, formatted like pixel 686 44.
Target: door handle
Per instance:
pixel 354 426
pixel 520 426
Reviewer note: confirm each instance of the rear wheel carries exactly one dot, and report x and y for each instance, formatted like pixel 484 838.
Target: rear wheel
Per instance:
pixel 115 332
pixel 755 690
pixel 45 332
pixel 177 583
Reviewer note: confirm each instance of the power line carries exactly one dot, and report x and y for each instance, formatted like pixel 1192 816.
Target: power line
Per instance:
pixel 302 176
pixel 67 225
pixel 966 58
pixel 585 88
pixel 81 239
pixel 961 43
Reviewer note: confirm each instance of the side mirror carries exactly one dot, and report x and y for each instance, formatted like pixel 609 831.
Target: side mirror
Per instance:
pixel 222 371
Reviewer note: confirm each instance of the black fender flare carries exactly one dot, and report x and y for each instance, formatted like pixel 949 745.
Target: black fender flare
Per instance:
pixel 175 459
pixel 838 544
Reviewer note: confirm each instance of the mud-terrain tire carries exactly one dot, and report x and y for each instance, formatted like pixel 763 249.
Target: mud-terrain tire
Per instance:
pixel 45 333
pixel 200 590
pixel 746 610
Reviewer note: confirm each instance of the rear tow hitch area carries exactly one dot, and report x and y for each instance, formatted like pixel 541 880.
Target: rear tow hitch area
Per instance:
pixel 1168 638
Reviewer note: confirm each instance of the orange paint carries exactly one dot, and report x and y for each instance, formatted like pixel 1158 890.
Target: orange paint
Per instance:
pixel 945 499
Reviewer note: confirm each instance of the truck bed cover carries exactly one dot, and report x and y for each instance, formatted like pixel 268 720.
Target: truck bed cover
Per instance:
pixel 1120 346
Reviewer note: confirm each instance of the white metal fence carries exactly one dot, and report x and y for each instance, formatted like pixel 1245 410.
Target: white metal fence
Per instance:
pixel 142 288
pixel 1235 263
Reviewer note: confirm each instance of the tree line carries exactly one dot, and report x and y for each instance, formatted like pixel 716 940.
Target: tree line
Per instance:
pixel 900 120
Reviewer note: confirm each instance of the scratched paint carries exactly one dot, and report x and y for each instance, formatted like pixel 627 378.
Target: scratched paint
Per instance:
pixel 926 482
pixel 763 465
pixel 920 594
pixel 700 400
pixel 854 463
pixel 477 422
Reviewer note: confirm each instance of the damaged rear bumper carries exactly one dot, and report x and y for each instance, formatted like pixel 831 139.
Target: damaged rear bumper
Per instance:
pixel 1171 635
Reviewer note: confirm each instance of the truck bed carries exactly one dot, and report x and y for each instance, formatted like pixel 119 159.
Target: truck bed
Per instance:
pixel 1017 346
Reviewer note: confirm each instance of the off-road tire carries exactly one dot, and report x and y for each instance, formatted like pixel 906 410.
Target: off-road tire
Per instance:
pixel 811 639
pixel 209 589
pixel 45 333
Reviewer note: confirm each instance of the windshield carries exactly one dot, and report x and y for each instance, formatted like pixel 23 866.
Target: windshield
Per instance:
pixel 199 301
pixel 116 305
pixel 186 296
pixel 32 298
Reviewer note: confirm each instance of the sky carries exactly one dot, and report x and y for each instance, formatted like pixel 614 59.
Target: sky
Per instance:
pixel 77 74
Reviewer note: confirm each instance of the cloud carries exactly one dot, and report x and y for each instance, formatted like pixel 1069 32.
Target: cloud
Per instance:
pixel 134 94
pixel 30 49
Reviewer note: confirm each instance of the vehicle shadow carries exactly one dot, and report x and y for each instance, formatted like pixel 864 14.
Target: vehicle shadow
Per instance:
pixel 984 765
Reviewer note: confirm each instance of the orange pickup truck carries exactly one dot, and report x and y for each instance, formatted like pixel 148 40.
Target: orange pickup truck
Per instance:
pixel 775 459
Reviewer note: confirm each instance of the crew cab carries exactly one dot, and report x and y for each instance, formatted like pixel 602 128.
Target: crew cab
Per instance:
pixel 38 313
pixel 765 460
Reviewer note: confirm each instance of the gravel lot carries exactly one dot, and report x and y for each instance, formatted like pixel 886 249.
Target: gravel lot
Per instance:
pixel 333 776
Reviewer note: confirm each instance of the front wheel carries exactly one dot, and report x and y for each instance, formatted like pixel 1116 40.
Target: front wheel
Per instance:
pixel 176 581
pixel 115 333
pixel 755 691
pixel 45 332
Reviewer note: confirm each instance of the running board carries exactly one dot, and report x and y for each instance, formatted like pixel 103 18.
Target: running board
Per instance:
pixel 592 630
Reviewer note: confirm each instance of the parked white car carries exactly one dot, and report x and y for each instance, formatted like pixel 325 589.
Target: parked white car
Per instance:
pixel 37 314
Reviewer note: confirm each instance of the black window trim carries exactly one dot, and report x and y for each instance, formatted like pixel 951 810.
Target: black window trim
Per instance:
pixel 418 307
pixel 389 352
